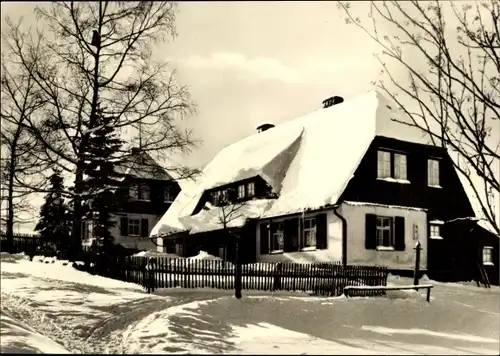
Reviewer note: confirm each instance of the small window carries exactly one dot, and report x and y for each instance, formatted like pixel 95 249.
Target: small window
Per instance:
pixel 224 196
pixel 241 191
pixel 179 251
pixel 167 197
pixel 399 166
pixel 435 230
pixel 433 173
pixel 134 227
pixel 385 236
pixel 384 164
pixel 488 255
pixel 216 198
pixel 250 190
pixel 133 192
pixel 309 233
pixel 144 192
pixel 277 237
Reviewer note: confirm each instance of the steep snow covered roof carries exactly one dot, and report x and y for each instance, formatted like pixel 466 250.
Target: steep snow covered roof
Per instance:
pixel 142 165
pixel 309 161
pixel 320 150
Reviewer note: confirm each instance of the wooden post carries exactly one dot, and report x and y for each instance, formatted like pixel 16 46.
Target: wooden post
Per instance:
pixel 428 295
pixel 417 249
pixel 237 270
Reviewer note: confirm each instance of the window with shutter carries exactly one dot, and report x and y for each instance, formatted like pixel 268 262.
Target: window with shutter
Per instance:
pixel 370 231
pixel 291 235
pixel 321 232
pixel 399 233
pixel 144 228
pixel 124 226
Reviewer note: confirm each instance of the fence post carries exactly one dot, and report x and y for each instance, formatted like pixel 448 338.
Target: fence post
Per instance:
pixel 277 276
pixel 417 249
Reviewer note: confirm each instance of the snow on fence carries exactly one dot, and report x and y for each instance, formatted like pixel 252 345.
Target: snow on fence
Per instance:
pixel 319 278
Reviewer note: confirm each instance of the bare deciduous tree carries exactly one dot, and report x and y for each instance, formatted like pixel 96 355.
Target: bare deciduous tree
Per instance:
pixel 102 52
pixel 22 170
pixel 454 80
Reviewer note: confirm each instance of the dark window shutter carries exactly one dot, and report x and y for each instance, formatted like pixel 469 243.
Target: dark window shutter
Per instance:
pixel 291 234
pixel 321 232
pixel 300 238
pixel 124 226
pixel 144 228
pixel 370 231
pixel 83 232
pixel 399 233
pixel 264 239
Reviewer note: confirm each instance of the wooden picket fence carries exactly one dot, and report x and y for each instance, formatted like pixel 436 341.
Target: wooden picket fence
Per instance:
pixel 327 279
pixel 22 243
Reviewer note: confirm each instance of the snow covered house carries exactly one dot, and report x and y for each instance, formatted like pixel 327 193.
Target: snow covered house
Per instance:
pixel 337 184
pixel 147 192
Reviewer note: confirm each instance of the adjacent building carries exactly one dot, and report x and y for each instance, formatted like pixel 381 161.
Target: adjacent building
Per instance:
pixel 147 191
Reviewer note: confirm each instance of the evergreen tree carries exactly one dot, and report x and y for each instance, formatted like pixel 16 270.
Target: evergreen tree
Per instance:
pixel 55 216
pixel 101 179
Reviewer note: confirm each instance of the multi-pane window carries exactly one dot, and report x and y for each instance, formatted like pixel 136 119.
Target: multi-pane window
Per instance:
pixel 216 197
pixel 144 192
pixel 134 227
pixel 309 232
pixel 133 191
pixel 224 196
pixel 241 191
pixel 487 255
pixel 250 189
pixel 433 172
pixel 167 197
pixel 87 229
pixel 384 232
pixel 223 252
pixel 384 164
pixel 277 237
pixel 435 230
pixel 391 165
pixel 399 166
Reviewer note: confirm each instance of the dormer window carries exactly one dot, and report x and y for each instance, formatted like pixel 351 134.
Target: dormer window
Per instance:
pixel 251 190
pixel 241 191
pixel 216 198
pixel 167 196
pixel 225 196
pixel 392 166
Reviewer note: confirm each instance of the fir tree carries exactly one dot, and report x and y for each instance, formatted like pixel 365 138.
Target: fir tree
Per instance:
pixel 55 216
pixel 101 179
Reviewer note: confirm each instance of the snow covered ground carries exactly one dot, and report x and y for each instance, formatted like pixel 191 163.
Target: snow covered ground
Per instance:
pixel 51 307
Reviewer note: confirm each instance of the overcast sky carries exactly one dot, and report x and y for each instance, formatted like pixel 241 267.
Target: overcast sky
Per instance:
pixel 251 62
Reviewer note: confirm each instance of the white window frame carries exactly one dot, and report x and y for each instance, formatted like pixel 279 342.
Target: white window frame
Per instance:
pixel 383 164
pixel 381 228
pixel 88 229
pixel 167 197
pixel 277 236
pixel 435 230
pixel 133 191
pixel 132 224
pixel 224 195
pixel 433 167
pixel 144 188
pixel 488 256
pixel 400 166
pixel 251 189
pixel 216 197
pixel 241 191
pixel 310 233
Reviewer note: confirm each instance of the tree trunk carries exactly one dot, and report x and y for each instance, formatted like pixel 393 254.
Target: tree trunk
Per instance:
pixel 76 238
pixel 237 270
pixel 10 194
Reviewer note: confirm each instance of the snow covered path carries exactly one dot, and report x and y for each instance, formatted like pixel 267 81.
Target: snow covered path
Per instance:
pixel 53 308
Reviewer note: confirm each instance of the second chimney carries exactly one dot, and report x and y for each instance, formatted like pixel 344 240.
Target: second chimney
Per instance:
pixel 334 100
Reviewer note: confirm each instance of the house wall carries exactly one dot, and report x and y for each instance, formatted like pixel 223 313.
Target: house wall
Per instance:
pixel 332 253
pixel 358 254
pixel 142 243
